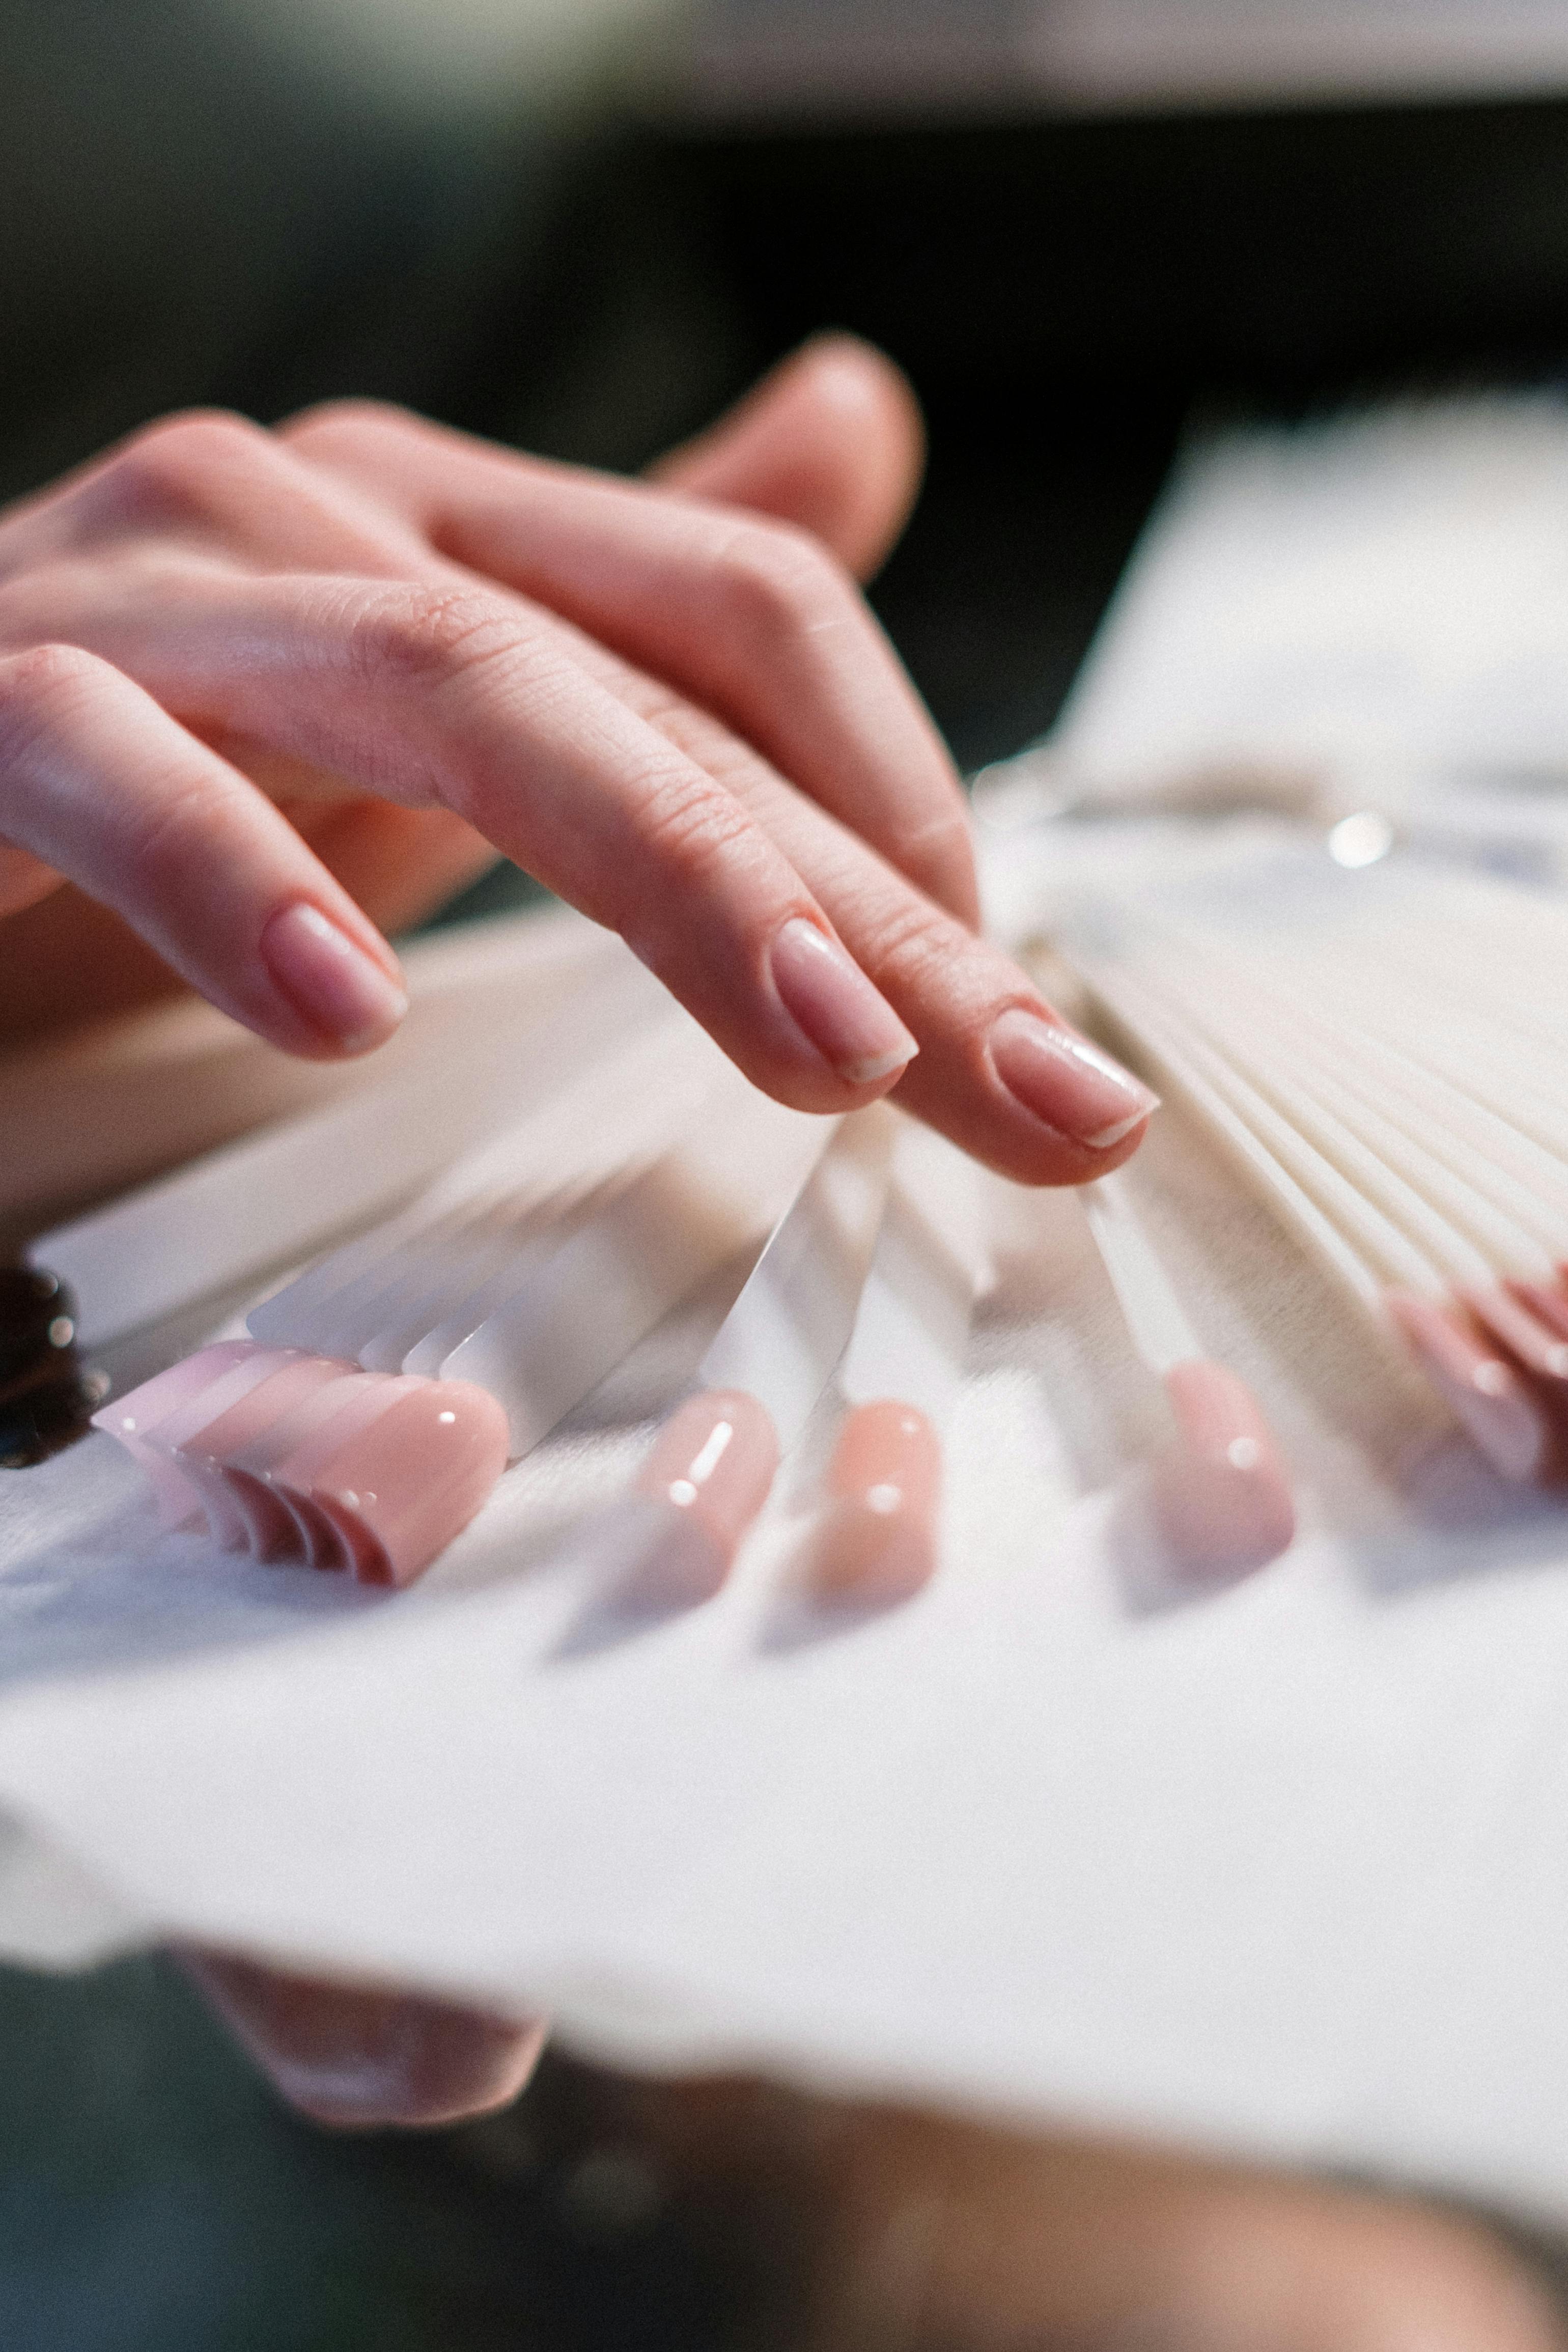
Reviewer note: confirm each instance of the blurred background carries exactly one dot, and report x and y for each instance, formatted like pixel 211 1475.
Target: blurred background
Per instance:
pixel 1083 227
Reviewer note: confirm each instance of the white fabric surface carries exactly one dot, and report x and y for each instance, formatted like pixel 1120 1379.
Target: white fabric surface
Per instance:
pixel 1276 1870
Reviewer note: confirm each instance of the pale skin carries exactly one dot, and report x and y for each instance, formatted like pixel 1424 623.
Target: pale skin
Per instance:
pixel 931 2235
pixel 266 696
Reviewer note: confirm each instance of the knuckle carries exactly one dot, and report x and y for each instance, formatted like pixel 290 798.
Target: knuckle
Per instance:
pixel 911 944
pixel 38 688
pixel 176 469
pixel 332 419
pixel 167 836
pixel 775 581
pixel 423 639
pixel 689 826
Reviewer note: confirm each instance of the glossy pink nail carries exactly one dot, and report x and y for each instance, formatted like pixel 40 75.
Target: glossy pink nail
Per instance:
pixel 710 1473
pixel 828 995
pixel 132 1418
pixel 1510 1314
pixel 305 1456
pixel 1070 1085
pixel 1221 1494
pixel 240 1513
pixel 415 1476
pixel 877 1540
pixel 1487 1393
pixel 330 979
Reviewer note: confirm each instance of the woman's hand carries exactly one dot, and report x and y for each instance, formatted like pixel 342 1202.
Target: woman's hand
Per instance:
pixel 260 692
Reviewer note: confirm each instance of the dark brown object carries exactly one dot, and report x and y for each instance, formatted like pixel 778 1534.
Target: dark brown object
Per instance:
pixel 46 1394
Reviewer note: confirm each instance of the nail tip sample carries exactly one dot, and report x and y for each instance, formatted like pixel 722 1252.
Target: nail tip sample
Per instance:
pixel 1221 1492
pixel 877 1542
pixel 710 1471
pixel 315 1460
pixel 1488 1395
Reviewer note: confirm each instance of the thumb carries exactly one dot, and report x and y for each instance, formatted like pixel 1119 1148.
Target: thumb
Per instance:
pixel 830 439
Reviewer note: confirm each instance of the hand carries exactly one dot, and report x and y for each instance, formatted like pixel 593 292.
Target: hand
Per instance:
pixel 358 2060
pixel 262 691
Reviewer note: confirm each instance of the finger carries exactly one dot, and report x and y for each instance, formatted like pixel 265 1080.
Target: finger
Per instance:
pixel 830 440
pixel 24 880
pixel 999 1070
pixel 362 2061
pixel 397 865
pixel 754 620
pixel 101 784
pixel 435 696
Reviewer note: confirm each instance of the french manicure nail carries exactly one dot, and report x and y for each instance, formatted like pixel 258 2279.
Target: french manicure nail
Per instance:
pixel 854 1028
pixel 329 979
pixel 1066 1082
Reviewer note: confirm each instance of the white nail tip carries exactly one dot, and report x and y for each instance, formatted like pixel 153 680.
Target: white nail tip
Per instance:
pixel 877 1065
pixel 1104 1136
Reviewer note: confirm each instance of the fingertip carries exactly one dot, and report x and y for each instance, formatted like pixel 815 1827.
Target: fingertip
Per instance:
pixel 360 2059
pixel 831 440
pixel 843 1016
pixel 346 989
pixel 955 1087
pixel 1079 1094
pixel 858 381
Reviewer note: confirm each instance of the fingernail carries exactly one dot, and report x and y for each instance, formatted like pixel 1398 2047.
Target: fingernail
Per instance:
pixel 853 1027
pixel 329 979
pixel 1061 1078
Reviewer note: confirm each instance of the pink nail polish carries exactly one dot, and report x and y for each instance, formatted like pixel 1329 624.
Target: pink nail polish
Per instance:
pixel 710 1472
pixel 207 1445
pixel 1510 1315
pixel 340 1401
pixel 1547 1303
pixel 329 979
pixel 169 1411
pixel 1065 1081
pixel 131 1420
pixel 300 1457
pixel 827 994
pixel 1488 1394
pixel 877 1542
pixel 1221 1494
pixel 414 1475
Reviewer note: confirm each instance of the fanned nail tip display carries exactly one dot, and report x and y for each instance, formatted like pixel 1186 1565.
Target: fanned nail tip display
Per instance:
pixel 701 1388
pixel 380 1393
pixel 1379 1053
pixel 293 1456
